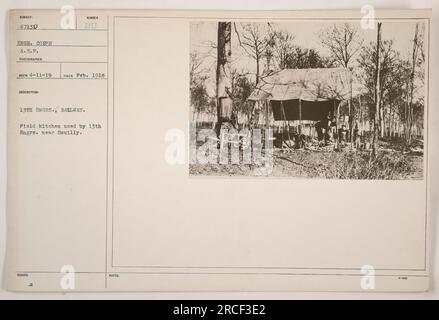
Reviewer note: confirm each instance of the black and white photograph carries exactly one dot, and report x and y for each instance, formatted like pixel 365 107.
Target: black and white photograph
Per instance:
pixel 260 151
pixel 328 99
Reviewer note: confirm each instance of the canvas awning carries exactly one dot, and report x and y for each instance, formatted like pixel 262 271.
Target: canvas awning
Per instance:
pixel 305 84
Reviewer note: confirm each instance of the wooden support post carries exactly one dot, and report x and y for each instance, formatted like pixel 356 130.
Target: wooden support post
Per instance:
pixel 335 135
pixel 360 121
pixel 267 114
pixel 267 122
pixel 300 116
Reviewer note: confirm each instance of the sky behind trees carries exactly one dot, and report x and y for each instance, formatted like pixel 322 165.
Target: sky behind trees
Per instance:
pixel 306 35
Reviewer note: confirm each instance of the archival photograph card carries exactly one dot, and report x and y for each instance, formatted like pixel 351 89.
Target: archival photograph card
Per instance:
pixel 218 150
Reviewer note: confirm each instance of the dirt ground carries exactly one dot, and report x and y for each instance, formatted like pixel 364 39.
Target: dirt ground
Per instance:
pixel 390 164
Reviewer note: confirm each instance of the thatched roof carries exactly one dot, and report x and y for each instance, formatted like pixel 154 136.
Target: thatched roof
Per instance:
pixel 305 84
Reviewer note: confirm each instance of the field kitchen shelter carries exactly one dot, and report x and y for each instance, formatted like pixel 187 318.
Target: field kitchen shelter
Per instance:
pixel 303 94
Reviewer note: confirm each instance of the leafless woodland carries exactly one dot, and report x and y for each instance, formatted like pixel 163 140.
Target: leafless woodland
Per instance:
pixel 341 101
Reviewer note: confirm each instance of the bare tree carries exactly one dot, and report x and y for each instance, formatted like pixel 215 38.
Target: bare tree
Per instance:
pixel 199 97
pixel 255 39
pixel 377 93
pixel 223 74
pixel 417 50
pixel 195 63
pixel 390 64
pixel 343 42
pixel 282 47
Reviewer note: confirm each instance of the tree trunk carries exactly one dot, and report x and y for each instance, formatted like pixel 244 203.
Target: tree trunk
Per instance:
pixel 223 74
pixel 360 110
pixel 412 85
pixel 392 123
pixel 350 118
pixel 257 70
pixel 377 94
